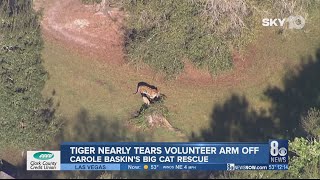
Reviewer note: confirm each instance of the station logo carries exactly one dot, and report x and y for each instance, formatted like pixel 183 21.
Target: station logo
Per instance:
pixel 293 22
pixel 278 151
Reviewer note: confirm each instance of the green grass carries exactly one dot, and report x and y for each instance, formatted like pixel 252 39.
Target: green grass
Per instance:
pixel 106 90
pixel 84 83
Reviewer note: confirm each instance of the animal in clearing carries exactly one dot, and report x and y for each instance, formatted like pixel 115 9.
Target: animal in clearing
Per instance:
pixel 147 91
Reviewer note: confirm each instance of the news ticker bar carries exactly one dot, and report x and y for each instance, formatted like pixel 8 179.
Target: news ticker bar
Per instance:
pixel 165 167
pixel 272 155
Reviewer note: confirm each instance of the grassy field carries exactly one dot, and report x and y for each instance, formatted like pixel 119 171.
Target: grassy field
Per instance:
pixel 105 90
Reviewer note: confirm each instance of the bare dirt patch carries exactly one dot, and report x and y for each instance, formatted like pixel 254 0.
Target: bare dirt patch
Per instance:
pixel 159 120
pixel 83 29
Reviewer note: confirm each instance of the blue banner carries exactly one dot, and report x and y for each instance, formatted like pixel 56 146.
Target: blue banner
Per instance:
pixel 174 156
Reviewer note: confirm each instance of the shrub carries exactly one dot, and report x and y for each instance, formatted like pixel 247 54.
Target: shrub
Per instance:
pixel 311 122
pixel 163 33
pixel 303 164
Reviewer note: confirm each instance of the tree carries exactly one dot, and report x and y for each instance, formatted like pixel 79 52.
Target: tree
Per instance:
pixel 311 122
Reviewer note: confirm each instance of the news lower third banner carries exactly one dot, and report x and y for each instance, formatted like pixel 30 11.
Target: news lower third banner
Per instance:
pixel 89 156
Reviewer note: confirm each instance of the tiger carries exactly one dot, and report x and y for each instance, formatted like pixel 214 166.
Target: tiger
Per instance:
pixel 150 91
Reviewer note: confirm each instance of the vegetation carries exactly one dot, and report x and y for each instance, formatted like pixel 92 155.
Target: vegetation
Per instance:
pixel 164 34
pixel 26 119
pixel 304 160
pixel 304 165
pixel 155 109
pixel 311 122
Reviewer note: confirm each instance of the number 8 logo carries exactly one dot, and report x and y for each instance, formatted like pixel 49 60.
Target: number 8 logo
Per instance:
pixel 274 151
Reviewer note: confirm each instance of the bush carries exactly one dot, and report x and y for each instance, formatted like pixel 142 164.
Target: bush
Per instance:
pixel 304 164
pixel 164 33
pixel 155 109
pixel 311 122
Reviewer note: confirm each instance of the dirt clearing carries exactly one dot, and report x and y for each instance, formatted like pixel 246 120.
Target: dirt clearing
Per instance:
pixel 81 28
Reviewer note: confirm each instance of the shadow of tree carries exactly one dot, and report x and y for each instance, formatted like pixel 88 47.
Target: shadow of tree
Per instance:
pixel 97 129
pixel 85 128
pixel 300 93
pixel 235 121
